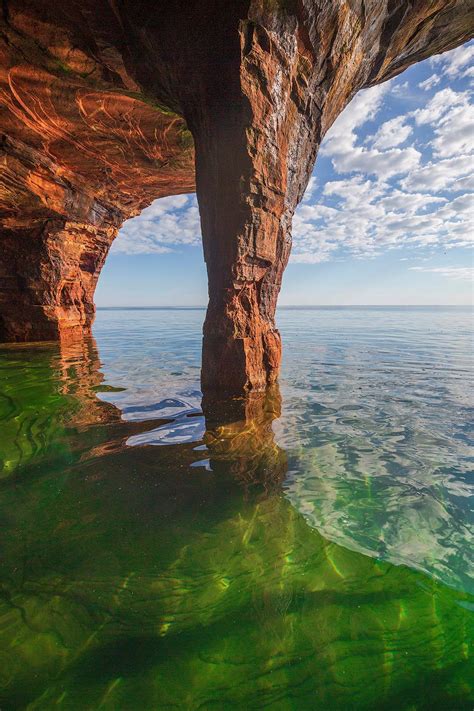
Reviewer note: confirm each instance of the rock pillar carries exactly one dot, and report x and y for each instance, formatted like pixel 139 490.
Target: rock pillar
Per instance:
pixel 267 96
pixel 255 148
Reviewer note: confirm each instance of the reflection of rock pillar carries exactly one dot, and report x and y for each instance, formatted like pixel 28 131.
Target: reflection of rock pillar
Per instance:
pixel 48 275
pixel 80 376
pixel 240 439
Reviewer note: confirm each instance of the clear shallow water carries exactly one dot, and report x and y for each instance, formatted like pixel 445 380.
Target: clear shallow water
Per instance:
pixel 315 556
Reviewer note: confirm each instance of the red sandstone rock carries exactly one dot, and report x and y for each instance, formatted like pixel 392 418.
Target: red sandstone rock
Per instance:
pixel 96 99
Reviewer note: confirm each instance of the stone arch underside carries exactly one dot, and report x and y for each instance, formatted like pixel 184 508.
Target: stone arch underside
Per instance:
pixel 106 106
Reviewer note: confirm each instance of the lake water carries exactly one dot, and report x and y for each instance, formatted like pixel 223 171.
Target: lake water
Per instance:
pixel 315 555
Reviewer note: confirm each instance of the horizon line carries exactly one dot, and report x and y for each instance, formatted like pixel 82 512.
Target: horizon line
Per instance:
pixel 295 306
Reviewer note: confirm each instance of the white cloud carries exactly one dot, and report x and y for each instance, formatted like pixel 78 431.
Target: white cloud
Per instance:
pixel 466 183
pixel 450 114
pixel 454 62
pixel 391 133
pixel 429 83
pixel 366 217
pixel 439 176
pixel 341 146
pixel 468 73
pixel 399 201
pixel 451 117
pixel 162 205
pixel 463 273
pixel 165 223
pixel 383 164
pixel 310 257
pixel 364 106
pixel 454 134
pixel 442 102
pixel 310 189
pixel 355 191
pixel 400 89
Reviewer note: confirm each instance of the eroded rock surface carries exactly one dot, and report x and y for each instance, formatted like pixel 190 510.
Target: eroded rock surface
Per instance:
pixel 82 149
pixel 98 103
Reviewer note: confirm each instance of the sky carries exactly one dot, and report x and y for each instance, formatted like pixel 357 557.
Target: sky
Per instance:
pixel 387 218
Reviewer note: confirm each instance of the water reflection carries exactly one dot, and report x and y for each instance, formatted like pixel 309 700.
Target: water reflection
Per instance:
pixel 233 436
pixel 240 440
pixel 176 574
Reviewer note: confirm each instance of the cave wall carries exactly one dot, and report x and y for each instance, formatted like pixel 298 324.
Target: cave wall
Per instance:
pixel 82 148
pixel 105 106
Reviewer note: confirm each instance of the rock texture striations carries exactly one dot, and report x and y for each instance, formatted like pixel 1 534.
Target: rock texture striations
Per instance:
pixel 107 105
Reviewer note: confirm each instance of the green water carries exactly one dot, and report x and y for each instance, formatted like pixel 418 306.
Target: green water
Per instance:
pixel 313 554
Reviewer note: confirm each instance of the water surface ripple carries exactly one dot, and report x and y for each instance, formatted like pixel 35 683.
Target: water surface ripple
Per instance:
pixel 313 553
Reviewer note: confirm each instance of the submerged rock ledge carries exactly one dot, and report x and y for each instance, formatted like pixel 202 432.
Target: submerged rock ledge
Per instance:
pixel 106 106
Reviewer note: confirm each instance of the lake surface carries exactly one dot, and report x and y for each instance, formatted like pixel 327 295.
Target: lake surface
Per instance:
pixel 316 554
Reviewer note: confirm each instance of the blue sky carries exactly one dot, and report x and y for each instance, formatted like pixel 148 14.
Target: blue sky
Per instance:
pixel 387 217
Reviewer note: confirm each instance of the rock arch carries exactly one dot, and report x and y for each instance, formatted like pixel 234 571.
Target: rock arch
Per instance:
pixel 106 105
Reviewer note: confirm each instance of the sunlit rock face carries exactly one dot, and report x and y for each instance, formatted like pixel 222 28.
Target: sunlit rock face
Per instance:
pixel 99 106
pixel 82 149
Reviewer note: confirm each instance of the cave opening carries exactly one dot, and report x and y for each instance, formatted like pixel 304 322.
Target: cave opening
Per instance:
pixel 156 260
